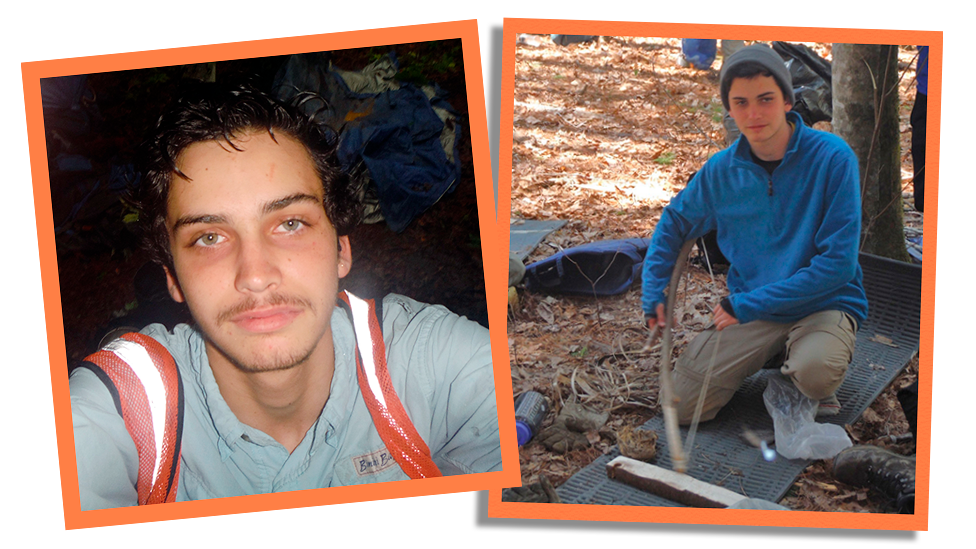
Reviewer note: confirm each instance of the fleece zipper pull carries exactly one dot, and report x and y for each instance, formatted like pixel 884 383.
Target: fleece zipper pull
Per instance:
pixel 770 186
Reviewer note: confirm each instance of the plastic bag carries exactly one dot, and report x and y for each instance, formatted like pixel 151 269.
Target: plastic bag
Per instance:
pixel 811 75
pixel 798 436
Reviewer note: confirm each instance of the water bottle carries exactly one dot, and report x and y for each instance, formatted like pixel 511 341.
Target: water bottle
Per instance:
pixel 530 410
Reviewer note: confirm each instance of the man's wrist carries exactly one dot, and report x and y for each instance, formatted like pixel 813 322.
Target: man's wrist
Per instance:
pixel 727 305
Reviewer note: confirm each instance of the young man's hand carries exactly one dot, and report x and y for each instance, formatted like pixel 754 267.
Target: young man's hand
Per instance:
pixel 660 320
pixel 721 319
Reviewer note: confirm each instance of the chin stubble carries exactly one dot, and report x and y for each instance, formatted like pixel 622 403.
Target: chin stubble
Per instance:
pixel 276 364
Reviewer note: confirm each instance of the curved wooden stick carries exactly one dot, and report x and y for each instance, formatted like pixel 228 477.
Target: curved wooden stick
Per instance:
pixel 667 397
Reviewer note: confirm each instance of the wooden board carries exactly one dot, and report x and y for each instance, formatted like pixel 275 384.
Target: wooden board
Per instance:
pixel 670 485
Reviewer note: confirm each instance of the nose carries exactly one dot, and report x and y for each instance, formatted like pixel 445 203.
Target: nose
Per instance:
pixel 257 268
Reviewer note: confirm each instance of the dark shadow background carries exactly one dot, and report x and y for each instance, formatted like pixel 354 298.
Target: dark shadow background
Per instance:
pixel 105 278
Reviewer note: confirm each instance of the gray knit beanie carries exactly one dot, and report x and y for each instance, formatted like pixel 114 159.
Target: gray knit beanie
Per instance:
pixel 758 54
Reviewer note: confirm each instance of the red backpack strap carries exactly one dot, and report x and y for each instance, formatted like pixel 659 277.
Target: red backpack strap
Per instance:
pixel 145 384
pixel 389 416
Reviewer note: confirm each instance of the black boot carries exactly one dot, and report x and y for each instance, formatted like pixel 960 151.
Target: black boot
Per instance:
pixel 890 473
pixel 908 398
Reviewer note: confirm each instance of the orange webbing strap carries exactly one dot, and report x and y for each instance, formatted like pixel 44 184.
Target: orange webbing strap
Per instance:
pixel 389 416
pixel 145 384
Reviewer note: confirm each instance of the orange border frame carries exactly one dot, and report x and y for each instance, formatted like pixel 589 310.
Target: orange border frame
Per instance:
pixel 618 513
pixel 49 485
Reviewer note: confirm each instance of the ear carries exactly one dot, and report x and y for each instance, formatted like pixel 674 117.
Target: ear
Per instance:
pixel 174 287
pixel 789 106
pixel 345 256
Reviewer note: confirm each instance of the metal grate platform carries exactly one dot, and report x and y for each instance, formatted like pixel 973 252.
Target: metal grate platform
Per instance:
pixel 720 457
pixel 525 235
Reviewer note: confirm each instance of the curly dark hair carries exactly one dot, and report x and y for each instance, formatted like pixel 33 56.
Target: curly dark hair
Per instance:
pixel 216 112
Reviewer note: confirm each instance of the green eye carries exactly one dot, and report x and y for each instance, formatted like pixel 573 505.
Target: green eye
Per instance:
pixel 209 239
pixel 292 225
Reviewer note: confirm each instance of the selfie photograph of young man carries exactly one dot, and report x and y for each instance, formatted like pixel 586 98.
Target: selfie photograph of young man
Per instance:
pixel 299 295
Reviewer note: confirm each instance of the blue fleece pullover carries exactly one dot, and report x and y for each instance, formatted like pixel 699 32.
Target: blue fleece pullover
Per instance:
pixel 792 238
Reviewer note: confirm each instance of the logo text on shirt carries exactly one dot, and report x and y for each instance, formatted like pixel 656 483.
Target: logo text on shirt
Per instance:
pixel 373 462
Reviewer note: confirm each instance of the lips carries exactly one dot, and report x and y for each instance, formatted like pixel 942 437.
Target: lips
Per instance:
pixel 266 320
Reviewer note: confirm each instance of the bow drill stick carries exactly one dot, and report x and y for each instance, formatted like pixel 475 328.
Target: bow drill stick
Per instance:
pixel 667 397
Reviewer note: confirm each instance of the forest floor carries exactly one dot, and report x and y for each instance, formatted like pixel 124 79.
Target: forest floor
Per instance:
pixel 604 134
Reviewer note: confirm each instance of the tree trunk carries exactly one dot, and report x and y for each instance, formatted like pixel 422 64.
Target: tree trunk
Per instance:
pixel 865 105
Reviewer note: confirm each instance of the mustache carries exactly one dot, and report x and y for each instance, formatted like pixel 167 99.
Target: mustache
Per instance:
pixel 251 303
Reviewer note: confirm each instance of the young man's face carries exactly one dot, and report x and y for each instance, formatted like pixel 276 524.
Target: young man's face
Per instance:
pixel 759 110
pixel 255 255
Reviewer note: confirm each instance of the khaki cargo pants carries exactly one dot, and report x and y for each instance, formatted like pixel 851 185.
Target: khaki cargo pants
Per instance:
pixel 817 350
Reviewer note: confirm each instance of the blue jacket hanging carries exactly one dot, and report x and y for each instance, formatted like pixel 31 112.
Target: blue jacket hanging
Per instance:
pixel 406 137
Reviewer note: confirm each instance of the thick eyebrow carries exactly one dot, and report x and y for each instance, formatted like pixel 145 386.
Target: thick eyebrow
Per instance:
pixel 194 219
pixel 282 203
pixel 760 96
pixel 270 207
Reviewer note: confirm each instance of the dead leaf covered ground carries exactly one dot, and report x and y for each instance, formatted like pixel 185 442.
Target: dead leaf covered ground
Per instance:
pixel 604 134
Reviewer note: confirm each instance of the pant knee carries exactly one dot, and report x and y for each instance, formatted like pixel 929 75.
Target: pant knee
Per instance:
pixel 818 353
pixel 688 392
pixel 817 379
